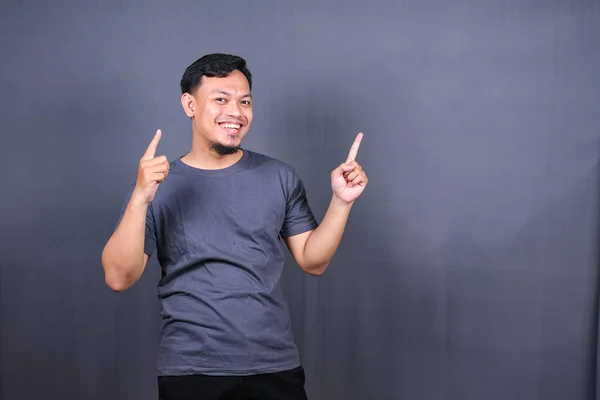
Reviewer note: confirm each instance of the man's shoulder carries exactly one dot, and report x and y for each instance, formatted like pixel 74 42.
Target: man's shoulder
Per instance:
pixel 266 161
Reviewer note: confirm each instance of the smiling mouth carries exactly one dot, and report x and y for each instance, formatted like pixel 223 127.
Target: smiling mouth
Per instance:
pixel 230 127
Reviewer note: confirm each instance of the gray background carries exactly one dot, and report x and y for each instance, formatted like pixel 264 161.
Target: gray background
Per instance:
pixel 469 266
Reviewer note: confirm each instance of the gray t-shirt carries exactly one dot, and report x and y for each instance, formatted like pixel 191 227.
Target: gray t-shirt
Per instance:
pixel 217 235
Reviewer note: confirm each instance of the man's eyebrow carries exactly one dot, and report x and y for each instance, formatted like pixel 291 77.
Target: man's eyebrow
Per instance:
pixel 229 94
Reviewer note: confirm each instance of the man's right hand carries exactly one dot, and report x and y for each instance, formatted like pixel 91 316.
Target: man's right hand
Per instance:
pixel 151 172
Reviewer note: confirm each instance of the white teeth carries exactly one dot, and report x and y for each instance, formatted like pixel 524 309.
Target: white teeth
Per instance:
pixel 230 126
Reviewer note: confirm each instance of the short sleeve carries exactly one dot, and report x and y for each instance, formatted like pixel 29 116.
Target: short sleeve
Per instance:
pixel 298 215
pixel 150 238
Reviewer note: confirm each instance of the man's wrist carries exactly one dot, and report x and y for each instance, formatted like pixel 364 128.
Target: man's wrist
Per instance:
pixel 137 201
pixel 341 204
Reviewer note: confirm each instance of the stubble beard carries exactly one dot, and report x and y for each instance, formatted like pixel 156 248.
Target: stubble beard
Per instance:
pixel 222 149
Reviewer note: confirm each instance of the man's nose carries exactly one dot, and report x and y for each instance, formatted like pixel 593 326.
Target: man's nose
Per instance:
pixel 233 109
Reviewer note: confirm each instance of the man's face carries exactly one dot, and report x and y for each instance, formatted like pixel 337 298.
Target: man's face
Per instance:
pixel 222 111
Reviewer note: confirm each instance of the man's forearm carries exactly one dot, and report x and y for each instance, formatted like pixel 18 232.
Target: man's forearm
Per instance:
pixel 325 239
pixel 123 255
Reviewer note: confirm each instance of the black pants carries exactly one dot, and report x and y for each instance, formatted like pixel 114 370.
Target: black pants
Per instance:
pixel 286 385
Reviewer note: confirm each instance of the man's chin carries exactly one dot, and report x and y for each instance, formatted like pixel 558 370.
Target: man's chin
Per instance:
pixel 224 149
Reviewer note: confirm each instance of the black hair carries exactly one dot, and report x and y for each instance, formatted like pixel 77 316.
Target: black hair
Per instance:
pixel 212 65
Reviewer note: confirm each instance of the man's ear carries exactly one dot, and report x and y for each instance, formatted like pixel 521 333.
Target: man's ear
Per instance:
pixel 188 102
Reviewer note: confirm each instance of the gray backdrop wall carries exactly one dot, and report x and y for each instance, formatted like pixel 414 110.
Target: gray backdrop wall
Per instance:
pixel 469 266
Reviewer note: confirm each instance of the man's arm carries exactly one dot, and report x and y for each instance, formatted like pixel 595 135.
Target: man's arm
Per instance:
pixel 123 257
pixel 313 250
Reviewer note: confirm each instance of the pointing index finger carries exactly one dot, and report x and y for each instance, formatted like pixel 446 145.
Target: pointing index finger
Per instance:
pixel 151 150
pixel 354 148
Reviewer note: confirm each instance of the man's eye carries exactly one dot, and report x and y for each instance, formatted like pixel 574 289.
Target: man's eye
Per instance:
pixel 246 102
pixel 220 99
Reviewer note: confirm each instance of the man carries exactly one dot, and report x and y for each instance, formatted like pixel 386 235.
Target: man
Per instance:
pixel 216 218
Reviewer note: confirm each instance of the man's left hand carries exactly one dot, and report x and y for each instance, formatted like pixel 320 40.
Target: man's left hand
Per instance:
pixel 349 180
